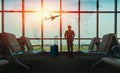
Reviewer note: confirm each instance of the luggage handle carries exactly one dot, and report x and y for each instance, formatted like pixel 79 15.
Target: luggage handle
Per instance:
pixel 56 40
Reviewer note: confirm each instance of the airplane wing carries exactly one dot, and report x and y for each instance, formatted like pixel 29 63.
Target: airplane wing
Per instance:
pixel 52 17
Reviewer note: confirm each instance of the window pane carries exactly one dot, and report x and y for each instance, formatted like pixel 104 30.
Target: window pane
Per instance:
pixel 118 5
pixel 13 23
pixel 0 4
pixel 36 44
pixel 0 23
pixel 52 27
pixel 32 4
pixel 69 5
pixel 106 5
pixel 88 5
pixel 51 5
pixel 33 25
pixel 84 44
pixel 106 24
pixel 118 25
pixel 88 25
pixel 70 19
pixel 13 4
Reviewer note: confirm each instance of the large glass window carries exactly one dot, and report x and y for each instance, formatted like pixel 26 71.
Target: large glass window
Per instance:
pixel 106 5
pixel 88 5
pixel 106 24
pixel 70 5
pixel 13 23
pixel 13 4
pixel 88 25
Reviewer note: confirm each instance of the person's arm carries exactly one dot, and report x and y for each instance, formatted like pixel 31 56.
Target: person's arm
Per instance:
pixel 73 34
pixel 65 34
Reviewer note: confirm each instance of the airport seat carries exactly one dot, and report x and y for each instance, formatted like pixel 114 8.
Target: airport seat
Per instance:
pixel 94 42
pixel 12 48
pixel 25 41
pixel 3 61
pixel 104 45
pixel 113 52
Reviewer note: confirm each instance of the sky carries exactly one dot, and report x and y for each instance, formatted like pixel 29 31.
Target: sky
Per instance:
pixel 13 21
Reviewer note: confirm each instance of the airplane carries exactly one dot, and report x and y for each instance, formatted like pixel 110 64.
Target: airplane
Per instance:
pixel 52 17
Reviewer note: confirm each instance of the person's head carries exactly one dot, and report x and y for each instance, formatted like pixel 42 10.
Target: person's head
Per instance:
pixel 69 27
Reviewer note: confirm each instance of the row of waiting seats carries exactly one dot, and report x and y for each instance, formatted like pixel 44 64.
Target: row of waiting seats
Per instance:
pixel 11 47
pixel 104 47
pixel 110 47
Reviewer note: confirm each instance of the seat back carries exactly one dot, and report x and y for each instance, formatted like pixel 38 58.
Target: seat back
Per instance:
pixel 94 41
pixel 27 42
pixel 106 40
pixel 10 42
pixel 114 42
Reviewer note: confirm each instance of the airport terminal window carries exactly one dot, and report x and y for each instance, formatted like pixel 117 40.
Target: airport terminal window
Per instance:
pixel 70 5
pixel 30 19
pixel 106 24
pixel 33 5
pixel 87 5
pixel 13 4
pixel 13 25
pixel 33 25
pixel 87 25
pixel 106 5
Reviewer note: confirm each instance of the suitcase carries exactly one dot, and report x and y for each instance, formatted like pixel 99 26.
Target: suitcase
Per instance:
pixel 54 48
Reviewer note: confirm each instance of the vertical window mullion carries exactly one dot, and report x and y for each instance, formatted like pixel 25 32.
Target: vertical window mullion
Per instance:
pixel 23 18
pixel 97 22
pixel 2 16
pixel 60 25
pixel 42 26
pixel 115 19
pixel 79 24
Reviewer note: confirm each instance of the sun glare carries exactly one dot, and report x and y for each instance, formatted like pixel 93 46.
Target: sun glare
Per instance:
pixel 43 13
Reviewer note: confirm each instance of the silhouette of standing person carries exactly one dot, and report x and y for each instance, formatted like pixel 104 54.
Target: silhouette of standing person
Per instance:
pixel 69 36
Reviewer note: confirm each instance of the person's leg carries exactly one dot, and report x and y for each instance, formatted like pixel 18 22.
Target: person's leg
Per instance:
pixel 68 46
pixel 71 48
